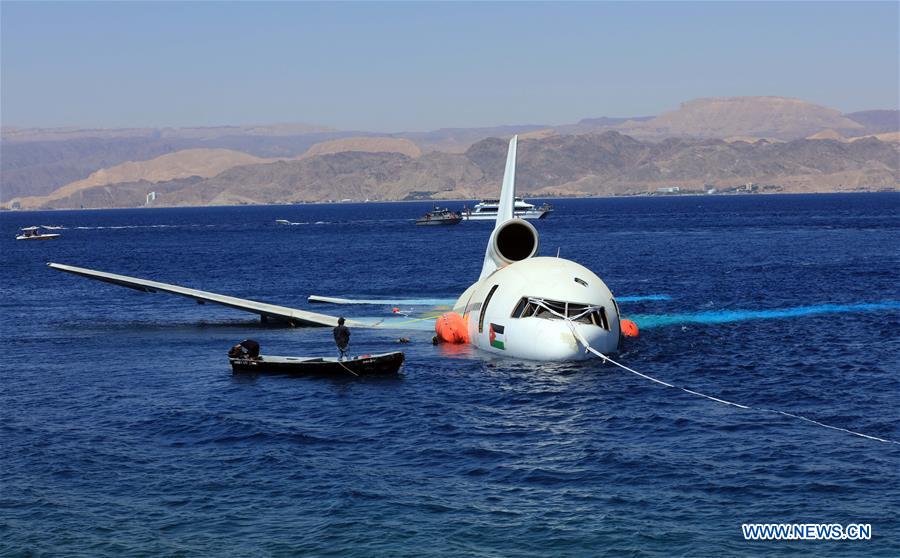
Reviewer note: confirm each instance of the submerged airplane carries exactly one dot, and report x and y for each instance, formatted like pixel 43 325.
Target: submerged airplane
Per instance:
pixel 522 306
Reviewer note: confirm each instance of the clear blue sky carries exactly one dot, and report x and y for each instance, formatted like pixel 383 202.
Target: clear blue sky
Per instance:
pixel 417 66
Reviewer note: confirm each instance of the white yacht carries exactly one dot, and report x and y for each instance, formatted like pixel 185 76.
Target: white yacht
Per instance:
pixel 35 233
pixel 486 210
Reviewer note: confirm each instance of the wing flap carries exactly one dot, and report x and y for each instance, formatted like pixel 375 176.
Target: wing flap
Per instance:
pixel 382 301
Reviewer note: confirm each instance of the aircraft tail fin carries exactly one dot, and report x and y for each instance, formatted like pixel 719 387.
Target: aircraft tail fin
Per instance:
pixel 512 239
pixel 508 190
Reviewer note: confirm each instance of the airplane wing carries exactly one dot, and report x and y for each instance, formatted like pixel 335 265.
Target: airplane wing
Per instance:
pixel 292 315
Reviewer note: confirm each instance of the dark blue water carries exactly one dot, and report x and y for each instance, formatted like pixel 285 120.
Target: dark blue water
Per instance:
pixel 123 431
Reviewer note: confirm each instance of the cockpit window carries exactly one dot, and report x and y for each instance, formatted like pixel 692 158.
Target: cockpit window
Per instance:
pixel 545 311
pixel 522 309
pixel 576 312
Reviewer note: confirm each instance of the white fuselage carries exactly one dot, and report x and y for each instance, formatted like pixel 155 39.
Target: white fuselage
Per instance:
pixel 504 325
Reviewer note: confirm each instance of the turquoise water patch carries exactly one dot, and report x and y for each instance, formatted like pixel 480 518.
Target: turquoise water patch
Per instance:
pixel 726 316
pixel 643 298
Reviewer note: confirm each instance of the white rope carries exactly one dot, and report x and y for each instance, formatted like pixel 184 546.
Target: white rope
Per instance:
pixel 543 304
pixel 344 367
pixel 580 338
pixel 347 369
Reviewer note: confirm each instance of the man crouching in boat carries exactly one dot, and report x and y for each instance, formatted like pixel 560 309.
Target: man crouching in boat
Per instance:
pixel 246 349
pixel 342 338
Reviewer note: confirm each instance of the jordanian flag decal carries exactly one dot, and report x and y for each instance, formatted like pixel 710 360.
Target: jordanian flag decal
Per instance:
pixel 498 340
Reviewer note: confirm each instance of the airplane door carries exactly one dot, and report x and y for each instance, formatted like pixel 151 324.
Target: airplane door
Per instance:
pixel 484 307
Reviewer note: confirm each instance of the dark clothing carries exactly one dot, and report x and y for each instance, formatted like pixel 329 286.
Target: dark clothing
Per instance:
pixel 342 339
pixel 248 348
pixel 341 336
pixel 251 346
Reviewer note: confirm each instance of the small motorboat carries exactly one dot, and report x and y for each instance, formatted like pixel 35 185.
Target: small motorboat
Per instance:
pixel 439 216
pixel 365 365
pixel 35 233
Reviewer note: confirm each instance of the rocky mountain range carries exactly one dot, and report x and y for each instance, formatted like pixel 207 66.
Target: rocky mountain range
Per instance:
pixel 784 144
pixel 571 165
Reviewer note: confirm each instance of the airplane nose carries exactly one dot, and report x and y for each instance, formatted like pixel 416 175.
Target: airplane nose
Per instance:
pixel 592 334
pixel 558 342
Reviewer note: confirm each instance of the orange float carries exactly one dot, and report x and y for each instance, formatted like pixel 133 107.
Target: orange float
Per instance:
pixel 629 328
pixel 452 328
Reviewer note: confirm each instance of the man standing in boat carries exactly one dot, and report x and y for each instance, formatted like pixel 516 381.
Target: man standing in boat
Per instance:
pixel 341 338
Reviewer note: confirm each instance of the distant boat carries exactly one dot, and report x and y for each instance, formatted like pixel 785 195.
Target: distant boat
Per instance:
pixel 486 210
pixel 439 216
pixel 34 233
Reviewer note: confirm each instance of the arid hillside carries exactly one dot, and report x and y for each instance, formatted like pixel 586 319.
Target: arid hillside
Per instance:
pixel 775 117
pixel 365 144
pixel 567 165
pixel 37 163
pixel 205 163
pixel 181 164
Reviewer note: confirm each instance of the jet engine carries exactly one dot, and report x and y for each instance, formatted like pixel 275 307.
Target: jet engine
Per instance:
pixel 513 241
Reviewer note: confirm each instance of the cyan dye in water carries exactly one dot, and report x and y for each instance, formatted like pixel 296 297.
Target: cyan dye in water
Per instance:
pixel 123 431
pixel 726 316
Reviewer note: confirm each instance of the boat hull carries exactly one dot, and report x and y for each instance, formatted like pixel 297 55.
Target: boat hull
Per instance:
pixel 370 365
pixel 38 237
pixel 536 214
pixel 431 222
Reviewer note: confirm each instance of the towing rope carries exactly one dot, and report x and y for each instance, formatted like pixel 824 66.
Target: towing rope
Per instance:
pixel 587 346
pixel 344 367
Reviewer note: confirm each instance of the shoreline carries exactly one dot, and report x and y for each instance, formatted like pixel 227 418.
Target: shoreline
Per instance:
pixel 4 210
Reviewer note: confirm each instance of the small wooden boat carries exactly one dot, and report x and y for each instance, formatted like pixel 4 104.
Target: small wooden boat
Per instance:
pixel 365 365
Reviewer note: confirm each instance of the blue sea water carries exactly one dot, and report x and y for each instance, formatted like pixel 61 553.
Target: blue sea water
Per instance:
pixel 124 433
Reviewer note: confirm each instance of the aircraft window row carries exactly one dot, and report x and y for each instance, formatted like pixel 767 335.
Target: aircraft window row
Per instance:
pixel 579 313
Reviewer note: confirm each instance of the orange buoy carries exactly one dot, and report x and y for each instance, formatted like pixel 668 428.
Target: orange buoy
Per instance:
pixel 451 328
pixel 395 310
pixel 629 328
